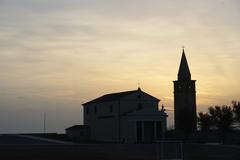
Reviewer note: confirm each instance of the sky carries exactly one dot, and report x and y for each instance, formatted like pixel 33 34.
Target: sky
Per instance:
pixel 56 55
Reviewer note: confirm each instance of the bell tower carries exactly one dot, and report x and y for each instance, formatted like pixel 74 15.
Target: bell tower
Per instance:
pixel 185 99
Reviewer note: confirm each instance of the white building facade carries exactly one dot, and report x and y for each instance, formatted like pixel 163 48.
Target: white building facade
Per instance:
pixel 128 117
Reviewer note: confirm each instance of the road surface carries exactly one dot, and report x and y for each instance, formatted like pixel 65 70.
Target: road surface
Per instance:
pixel 18 147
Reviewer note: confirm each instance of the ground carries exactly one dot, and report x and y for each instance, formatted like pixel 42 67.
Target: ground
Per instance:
pixel 17 147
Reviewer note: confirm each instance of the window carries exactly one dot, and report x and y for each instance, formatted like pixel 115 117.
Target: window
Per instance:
pixel 111 108
pixel 95 109
pixel 87 111
pixel 139 131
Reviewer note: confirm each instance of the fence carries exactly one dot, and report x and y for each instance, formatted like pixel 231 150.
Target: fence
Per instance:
pixel 169 150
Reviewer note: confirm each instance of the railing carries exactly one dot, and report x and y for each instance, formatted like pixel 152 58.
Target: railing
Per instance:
pixel 169 150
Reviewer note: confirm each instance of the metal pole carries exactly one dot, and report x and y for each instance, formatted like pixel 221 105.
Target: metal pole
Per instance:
pixel 176 150
pixel 162 150
pixel 119 124
pixel 44 123
pixel 181 150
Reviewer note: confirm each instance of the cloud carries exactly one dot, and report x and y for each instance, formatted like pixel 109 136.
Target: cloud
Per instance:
pixel 53 52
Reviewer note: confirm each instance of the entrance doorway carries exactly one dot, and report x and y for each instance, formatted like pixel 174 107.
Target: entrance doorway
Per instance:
pixel 148 131
pixel 149 136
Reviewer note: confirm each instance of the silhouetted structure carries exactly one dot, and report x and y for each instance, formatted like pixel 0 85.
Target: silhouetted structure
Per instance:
pixel 185 99
pixel 131 116
pixel 78 132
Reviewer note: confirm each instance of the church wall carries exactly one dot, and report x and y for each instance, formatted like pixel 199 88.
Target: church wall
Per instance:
pixel 104 120
pixel 132 102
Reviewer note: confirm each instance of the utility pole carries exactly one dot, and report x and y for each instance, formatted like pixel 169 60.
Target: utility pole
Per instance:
pixel 44 123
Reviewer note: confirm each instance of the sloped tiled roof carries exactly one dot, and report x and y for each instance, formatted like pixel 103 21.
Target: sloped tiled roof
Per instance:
pixel 113 97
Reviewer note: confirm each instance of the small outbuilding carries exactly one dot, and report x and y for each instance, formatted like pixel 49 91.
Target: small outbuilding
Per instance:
pixel 78 132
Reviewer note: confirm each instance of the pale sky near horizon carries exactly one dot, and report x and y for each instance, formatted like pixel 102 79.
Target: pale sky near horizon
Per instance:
pixel 57 54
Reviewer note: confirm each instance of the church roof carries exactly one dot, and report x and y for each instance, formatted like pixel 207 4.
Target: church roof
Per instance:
pixel 184 72
pixel 114 97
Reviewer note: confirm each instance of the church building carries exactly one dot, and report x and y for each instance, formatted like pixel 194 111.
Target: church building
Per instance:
pixel 127 117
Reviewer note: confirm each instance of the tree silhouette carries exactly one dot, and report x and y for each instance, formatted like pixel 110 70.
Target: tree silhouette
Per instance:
pixel 218 118
pixel 204 121
pixel 222 117
pixel 236 110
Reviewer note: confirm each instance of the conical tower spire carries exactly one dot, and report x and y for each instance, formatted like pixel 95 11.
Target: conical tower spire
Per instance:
pixel 185 114
pixel 184 72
